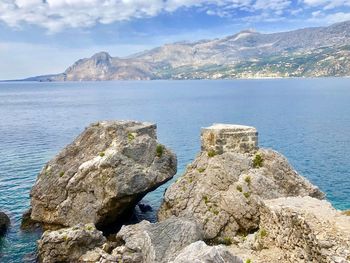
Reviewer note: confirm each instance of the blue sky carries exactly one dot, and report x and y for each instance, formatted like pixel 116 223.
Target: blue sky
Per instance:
pixel 45 36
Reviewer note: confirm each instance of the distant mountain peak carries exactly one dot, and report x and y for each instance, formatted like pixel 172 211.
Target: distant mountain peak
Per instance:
pixel 102 56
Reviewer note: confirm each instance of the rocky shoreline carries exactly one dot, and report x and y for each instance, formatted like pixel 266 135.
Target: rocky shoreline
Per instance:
pixel 235 202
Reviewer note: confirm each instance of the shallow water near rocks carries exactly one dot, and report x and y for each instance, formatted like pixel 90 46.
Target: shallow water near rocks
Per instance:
pixel 307 120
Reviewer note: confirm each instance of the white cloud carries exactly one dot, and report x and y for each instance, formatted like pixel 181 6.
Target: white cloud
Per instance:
pixel 327 4
pixel 56 15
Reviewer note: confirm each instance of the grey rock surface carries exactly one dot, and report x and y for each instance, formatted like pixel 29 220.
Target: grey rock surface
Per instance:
pixel 101 175
pixel 223 189
pixel 148 243
pixel 68 244
pixel 4 223
pixel 306 228
pixel 199 252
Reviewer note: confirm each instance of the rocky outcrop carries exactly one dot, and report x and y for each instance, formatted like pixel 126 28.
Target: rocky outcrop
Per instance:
pixel 224 188
pixel 297 230
pixel 148 243
pixel 4 223
pixel 68 244
pixel 102 175
pixel 200 252
pixel 310 230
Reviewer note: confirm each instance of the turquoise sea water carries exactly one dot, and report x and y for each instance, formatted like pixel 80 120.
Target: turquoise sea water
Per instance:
pixel 308 120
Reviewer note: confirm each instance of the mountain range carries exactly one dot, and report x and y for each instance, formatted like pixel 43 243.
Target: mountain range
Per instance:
pixel 308 52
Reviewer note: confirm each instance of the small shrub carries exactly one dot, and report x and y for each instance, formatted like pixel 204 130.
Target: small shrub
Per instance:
pixel 206 199
pixel 191 180
pixel 130 137
pixel 248 260
pixel 246 195
pixel 215 212
pixel 101 154
pixel 239 188
pixel 211 153
pixel 61 174
pixel 258 161
pixel 159 150
pixel 262 233
pixel 247 179
pixel 346 212
pixel 201 170
pixel 89 228
pixel 226 241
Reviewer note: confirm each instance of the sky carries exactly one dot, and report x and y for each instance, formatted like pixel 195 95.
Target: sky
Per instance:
pixel 46 36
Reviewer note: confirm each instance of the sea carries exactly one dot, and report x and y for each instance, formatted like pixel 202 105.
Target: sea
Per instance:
pixel 307 120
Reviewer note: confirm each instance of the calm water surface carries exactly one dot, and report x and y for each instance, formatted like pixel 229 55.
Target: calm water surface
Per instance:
pixel 308 120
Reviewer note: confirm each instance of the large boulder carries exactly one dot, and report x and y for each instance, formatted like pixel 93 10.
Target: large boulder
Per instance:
pixel 306 229
pixel 224 188
pixel 199 252
pixel 4 223
pixel 148 243
pixel 103 174
pixel 68 244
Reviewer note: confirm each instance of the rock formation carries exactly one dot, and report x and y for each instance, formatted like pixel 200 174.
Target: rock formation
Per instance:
pixel 234 193
pixel 200 252
pixel 297 229
pixel 4 223
pixel 102 175
pixel 224 188
pixel 68 244
pixel 148 243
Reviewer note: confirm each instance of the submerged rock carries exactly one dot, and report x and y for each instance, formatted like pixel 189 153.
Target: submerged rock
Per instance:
pixel 200 252
pixel 4 223
pixel 102 175
pixel 148 243
pixel 224 188
pixel 68 244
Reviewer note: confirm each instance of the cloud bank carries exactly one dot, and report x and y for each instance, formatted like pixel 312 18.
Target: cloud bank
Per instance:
pixel 56 15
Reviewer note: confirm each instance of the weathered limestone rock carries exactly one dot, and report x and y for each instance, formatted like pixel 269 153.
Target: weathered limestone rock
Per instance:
pixel 4 223
pixel 148 243
pixel 199 252
pixel 101 175
pixel 68 244
pixel 224 187
pixel 311 230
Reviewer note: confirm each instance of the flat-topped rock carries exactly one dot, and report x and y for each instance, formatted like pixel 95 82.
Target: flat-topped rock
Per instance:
pixel 102 175
pixel 220 138
pixel 224 191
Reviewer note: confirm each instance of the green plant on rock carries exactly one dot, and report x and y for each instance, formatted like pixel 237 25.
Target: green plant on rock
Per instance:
pixel 346 212
pixel 248 260
pixel 239 188
pixel 159 150
pixel 130 137
pixel 248 179
pixel 262 233
pixel 258 161
pixel 201 170
pixel 246 194
pixel 101 154
pixel 89 228
pixel 61 173
pixel 211 153
pixel 206 199
pixel 227 241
